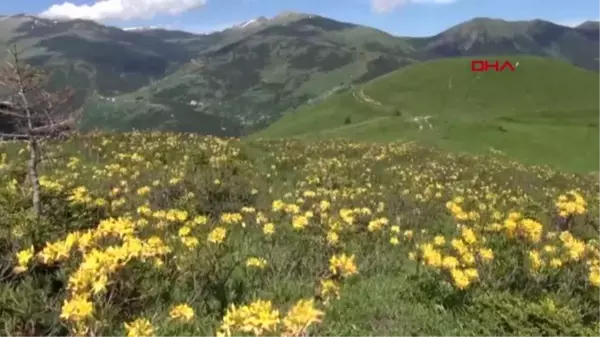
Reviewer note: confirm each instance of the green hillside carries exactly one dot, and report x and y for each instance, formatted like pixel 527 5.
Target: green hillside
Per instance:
pixel 546 112
pixel 289 60
pixel 241 79
pixel 251 80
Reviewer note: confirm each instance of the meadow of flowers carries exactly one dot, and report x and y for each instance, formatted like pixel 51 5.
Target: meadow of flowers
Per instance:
pixel 175 234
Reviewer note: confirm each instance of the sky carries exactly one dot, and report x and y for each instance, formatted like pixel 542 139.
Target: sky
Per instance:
pixel 398 17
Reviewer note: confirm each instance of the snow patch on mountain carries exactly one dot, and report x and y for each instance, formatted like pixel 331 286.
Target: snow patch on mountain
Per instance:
pixel 138 29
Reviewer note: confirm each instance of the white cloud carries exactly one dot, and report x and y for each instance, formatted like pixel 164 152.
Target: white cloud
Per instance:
pixel 121 9
pixel 384 6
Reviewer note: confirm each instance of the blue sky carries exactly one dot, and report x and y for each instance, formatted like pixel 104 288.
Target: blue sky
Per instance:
pixel 399 17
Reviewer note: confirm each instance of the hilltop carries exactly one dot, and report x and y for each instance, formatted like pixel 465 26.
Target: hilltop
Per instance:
pixel 546 112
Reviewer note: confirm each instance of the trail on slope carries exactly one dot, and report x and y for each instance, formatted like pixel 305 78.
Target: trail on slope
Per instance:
pixel 361 97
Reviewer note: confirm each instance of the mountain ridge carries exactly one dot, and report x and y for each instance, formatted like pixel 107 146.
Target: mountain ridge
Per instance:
pixel 248 77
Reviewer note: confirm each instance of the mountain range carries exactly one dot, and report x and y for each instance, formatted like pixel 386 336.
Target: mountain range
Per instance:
pixel 241 79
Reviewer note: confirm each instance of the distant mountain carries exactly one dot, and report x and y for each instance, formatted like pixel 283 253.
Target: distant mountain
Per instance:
pixel 483 36
pixel 88 55
pixel 260 69
pixel 589 25
pixel 248 75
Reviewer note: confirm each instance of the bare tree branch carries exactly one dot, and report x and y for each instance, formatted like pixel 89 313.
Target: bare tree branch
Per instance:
pixel 9 108
pixel 13 135
pixel 33 113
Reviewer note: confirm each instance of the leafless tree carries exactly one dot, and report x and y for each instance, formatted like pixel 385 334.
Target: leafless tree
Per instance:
pixel 33 113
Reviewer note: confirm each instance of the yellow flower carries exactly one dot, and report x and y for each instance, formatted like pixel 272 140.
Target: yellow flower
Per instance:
pixel 277 205
pixel 300 317
pixel 256 262
pixel 217 235
pixel 555 263
pixel 459 246
pixel 342 265
pixel 268 228
pixel 468 259
pixel 432 257
pixel 324 205
pixel 531 230
pixel 471 273
pixel 332 237
pixel 461 281
pixel 189 241
pixel 594 276
pixel 200 220
pixel 141 327
pixel 329 288
pixel 258 317
pixel 450 262
pixel 143 190
pixel 535 260
pixel 576 249
pixel 486 254
pixel 377 224
pixel 231 218
pixel 439 240
pixel 468 235
pixel 99 284
pixel 185 230
pixel 182 312
pixel 77 308
pixel 394 240
pixel 299 222
pixel 24 256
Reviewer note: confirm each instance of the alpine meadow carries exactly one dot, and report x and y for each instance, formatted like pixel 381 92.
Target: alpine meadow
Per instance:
pixel 299 176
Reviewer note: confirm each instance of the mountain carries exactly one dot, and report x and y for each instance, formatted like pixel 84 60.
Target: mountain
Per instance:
pixel 286 61
pixel 545 112
pixel 272 66
pixel 92 56
pixel 245 77
pixel 589 25
pixel 484 36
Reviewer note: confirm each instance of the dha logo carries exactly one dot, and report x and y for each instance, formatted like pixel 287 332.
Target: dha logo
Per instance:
pixel 484 66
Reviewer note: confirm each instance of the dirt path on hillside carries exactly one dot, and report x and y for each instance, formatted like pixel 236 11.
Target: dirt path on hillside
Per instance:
pixel 362 97
pixel 420 121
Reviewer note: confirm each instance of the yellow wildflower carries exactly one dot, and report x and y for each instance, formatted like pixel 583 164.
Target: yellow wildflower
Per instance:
pixel 217 235
pixel 300 317
pixel 182 312
pixel 141 327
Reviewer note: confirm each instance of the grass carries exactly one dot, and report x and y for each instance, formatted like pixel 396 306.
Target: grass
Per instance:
pixel 183 227
pixel 544 113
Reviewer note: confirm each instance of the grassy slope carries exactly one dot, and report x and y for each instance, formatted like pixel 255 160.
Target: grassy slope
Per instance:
pixel 544 113
pixel 278 67
pixel 389 296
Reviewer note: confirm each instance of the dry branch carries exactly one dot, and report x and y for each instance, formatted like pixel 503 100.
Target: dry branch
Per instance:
pixel 30 112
